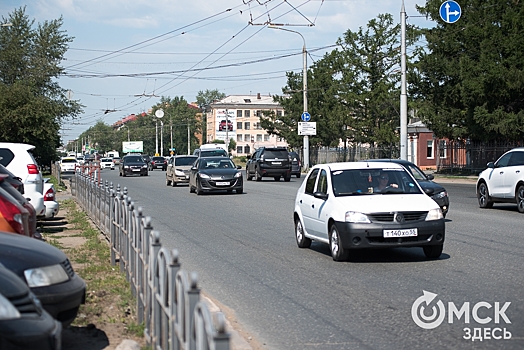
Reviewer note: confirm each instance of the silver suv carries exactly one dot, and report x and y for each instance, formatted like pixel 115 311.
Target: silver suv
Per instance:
pixel 19 160
pixel 503 181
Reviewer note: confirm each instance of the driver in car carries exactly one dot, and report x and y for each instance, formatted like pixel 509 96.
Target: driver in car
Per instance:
pixel 383 182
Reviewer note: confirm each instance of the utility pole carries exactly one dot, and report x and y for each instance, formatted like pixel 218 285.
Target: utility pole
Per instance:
pixel 156 137
pixel 227 130
pixel 403 93
pixel 188 138
pixel 171 132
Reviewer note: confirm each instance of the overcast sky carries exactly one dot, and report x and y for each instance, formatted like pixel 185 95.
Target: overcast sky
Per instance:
pixel 128 53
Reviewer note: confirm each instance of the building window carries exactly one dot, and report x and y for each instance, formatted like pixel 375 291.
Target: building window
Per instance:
pixel 239 125
pixel 259 113
pixel 259 137
pixel 247 149
pixel 247 138
pixel 247 126
pixel 239 149
pixel 239 137
pixel 247 113
pixel 279 113
pixel 239 113
pixel 442 148
pixel 257 126
pixel 429 149
pixel 266 137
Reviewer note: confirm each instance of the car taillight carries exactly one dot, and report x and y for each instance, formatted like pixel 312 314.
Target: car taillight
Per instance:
pixel 32 168
pixel 49 195
pixel 13 215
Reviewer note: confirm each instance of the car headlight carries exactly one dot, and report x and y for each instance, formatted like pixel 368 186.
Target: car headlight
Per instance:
pixel 356 217
pixel 144 166
pixel 238 174
pixel 179 173
pixel 440 195
pixel 204 176
pixel 45 276
pixel 126 166
pixel 7 310
pixel 434 214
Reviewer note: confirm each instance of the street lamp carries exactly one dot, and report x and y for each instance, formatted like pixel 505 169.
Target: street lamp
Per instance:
pixel 159 114
pixel 304 89
pixel 128 138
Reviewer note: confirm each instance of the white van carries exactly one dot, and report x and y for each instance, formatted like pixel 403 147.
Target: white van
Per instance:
pixel 211 149
pixel 113 154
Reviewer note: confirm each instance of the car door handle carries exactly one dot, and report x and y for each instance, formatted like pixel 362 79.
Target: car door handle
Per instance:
pixel 312 206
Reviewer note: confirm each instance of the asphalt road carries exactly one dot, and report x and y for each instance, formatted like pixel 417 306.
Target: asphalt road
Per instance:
pixel 244 251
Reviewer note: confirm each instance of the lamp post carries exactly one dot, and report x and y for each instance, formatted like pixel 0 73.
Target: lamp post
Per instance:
pixel 159 114
pixel 304 89
pixel 128 138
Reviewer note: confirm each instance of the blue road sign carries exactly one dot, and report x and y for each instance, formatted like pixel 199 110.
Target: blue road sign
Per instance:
pixel 306 117
pixel 450 11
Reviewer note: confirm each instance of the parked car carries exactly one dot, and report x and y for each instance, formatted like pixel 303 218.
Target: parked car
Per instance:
pixel 68 165
pixel 14 180
pixel 503 181
pixel 158 163
pixel 48 273
pixel 18 159
pixel 133 165
pixel 14 217
pixel 24 324
pixel 338 204
pixel 178 169
pixel 296 164
pixel 269 162
pixel 437 192
pixel 215 174
pixel 51 205
pixel 107 163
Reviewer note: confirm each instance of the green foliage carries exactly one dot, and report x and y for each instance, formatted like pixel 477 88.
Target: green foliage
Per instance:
pixel 32 103
pixel 470 80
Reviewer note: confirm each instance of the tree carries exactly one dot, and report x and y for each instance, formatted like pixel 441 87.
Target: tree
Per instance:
pixel 32 103
pixel 470 79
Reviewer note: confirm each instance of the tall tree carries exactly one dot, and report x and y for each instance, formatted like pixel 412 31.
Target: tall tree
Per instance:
pixel 32 103
pixel 470 79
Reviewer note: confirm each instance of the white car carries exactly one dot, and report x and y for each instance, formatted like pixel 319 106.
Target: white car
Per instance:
pixel 19 160
pixel 107 163
pixel 51 205
pixel 81 160
pixel 68 164
pixel 503 181
pixel 366 205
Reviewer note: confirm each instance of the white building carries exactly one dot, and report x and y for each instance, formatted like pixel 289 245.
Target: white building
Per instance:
pixel 238 117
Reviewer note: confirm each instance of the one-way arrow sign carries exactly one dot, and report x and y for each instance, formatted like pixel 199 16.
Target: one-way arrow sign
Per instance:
pixel 450 11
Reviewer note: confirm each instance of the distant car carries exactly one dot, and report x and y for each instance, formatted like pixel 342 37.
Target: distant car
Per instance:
pixel 296 165
pixel 107 163
pixel 272 162
pixel 51 205
pixel 116 160
pixel 48 273
pixel 81 160
pixel 24 324
pixel 158 163
pixel 178 169
pixel 215 174
pixel 68 165
pixel 18 159
pixel 133 165
pixel 503 181
pixel 437 192
pixel 339 204
pixel 210 152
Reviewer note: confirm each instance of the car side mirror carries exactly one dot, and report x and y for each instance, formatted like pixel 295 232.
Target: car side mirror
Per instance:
pixel 193 168
pixel 239 167
pixel 248 156
pixel 430 176
pixel 491 165
pixel 321 195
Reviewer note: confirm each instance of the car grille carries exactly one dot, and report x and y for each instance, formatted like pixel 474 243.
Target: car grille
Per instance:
pixel 25 304
pixel 66 264
pixel 390 217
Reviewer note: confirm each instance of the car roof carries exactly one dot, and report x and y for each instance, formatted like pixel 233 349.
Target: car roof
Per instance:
pixel 214 158
pixel 188 156
pixel 398 161
pixel 362 165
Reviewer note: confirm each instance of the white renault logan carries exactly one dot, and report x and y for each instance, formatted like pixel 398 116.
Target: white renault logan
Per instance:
pixel 366 205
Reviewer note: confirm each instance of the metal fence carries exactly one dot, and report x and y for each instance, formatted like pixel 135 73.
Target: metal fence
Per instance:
pixel 168 297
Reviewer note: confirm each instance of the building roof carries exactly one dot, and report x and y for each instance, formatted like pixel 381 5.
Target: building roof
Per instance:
pixel 257 101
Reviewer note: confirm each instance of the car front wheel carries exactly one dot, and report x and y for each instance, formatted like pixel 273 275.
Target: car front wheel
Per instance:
pixel 433 251
pixel 338 253
pixel 302 240
pixel 483 196
pixel 199 190
pixel 520 199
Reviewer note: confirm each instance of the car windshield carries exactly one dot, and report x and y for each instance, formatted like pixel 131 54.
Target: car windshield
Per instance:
pixel 181 161
pixel 158 159
pixel 69 160
pixel 373 181
pixel 216 164
pixel 134 159
pixel 106 160
pixel 276 153
pixel 416 172
pixel 214 152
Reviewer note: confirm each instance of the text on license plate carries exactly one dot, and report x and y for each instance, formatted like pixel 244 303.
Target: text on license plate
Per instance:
pixel 410 232
pixel 276 163
pixel 222 183
pixel 136 169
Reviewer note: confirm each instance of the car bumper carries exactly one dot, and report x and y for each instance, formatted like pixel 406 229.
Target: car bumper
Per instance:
pixel 212 185
pixel 51 209
pixel 181 179
pixel 62 300
pixel 37 201
pixel 274 172
pixel 356 236
pixel 41 332
pixel 142 172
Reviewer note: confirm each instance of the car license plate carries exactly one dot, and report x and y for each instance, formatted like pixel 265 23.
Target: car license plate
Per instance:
pixel 276 163
pixel 136 169
pixel 222 183
pixel 410 232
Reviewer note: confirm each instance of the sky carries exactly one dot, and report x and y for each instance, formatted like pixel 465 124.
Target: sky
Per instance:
pixel 127 54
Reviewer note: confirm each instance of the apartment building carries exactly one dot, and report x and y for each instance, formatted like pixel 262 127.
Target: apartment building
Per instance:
pixel 237 117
